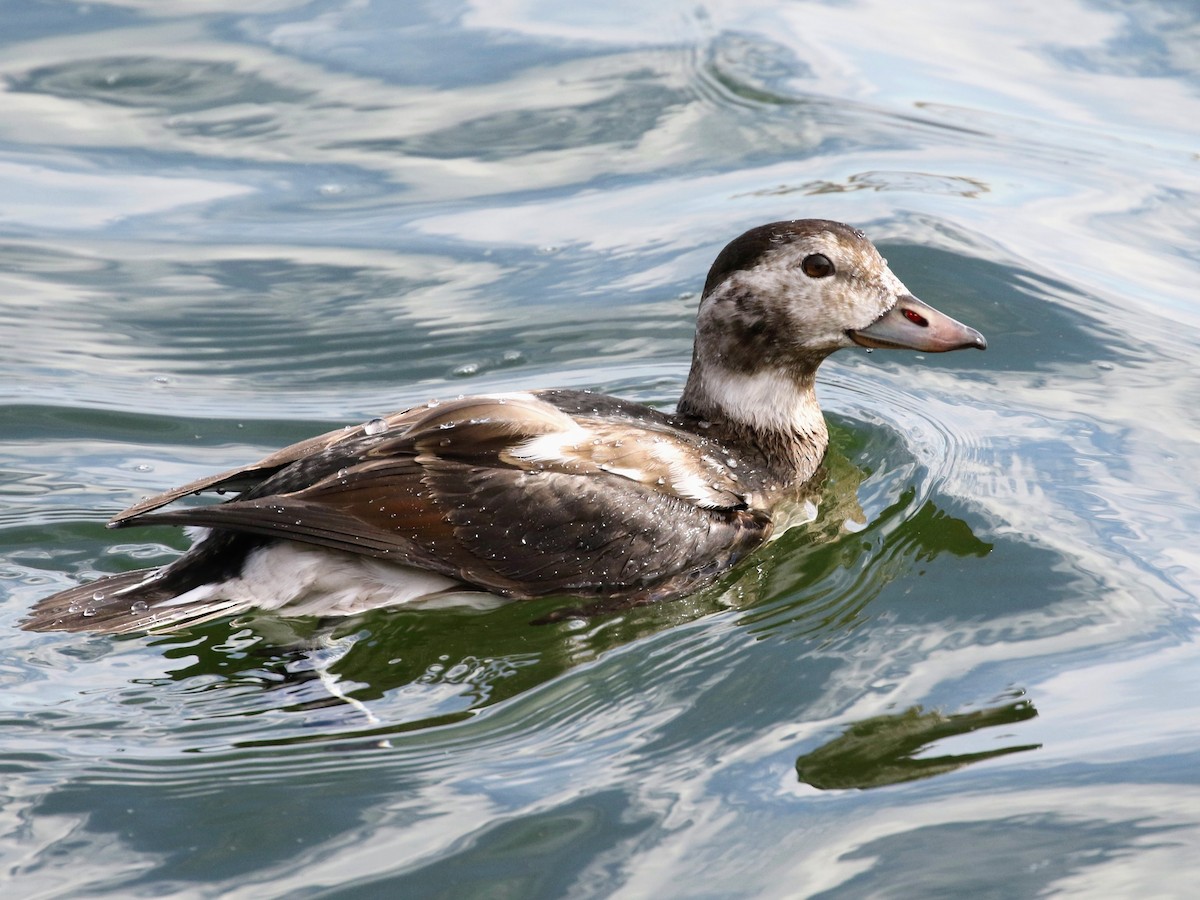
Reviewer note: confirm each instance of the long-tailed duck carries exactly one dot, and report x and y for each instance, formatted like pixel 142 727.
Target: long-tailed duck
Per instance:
pixel 552 492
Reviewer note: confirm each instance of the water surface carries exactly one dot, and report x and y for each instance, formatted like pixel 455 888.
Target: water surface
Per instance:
pixel 224 228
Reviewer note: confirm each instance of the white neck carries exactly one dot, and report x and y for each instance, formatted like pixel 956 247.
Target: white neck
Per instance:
pixel 768 401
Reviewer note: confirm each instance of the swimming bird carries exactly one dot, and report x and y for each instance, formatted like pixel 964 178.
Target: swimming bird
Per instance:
pixel 532 494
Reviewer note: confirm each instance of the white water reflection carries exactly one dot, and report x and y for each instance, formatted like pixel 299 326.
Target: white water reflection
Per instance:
pixel 41 195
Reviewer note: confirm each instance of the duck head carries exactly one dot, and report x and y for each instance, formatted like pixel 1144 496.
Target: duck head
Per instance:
pixel 782 297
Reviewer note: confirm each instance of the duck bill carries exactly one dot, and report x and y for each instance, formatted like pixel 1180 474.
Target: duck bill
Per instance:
pixel 913 325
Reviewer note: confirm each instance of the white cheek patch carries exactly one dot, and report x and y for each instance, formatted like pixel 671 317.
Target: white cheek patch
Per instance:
pixel 822 309
pixel 766 280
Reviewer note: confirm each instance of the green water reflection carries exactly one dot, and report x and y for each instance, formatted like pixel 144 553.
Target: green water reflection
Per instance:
pixel 883 750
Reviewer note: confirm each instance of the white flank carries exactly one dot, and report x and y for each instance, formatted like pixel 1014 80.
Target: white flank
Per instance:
pixel 313 581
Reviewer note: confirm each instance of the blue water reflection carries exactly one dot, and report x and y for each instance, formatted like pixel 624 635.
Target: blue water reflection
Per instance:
pixel 223 229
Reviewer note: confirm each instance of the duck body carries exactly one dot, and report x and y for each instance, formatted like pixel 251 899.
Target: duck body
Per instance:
pixel 540 493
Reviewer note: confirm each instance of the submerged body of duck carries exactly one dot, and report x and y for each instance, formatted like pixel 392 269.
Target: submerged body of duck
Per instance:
pixel 541 493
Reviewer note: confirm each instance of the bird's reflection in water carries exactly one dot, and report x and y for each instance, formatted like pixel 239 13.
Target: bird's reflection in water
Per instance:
pixel 884 750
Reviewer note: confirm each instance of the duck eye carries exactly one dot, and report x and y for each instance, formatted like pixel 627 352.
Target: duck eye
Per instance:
pixel 817 265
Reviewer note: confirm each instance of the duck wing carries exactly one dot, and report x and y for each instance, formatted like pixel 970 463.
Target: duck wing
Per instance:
pixel 246 477
pixel 507 492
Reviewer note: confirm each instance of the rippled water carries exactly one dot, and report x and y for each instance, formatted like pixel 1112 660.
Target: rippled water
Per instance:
pixel 227 226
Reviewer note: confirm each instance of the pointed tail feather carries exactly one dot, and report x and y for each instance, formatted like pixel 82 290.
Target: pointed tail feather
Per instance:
pixel 127 602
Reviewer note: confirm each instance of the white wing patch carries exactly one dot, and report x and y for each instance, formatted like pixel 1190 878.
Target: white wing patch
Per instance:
pixel 647 456
pixel 558 449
